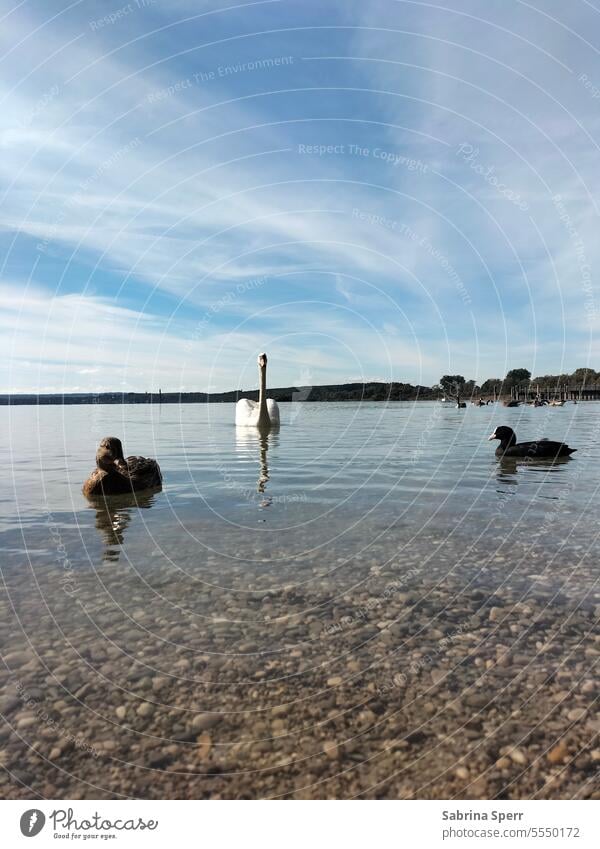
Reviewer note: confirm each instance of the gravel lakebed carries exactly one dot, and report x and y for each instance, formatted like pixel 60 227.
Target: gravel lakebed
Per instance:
pixel 449 669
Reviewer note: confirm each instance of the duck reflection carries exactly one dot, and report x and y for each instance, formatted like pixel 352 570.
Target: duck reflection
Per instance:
pixel 248 440
pixel 113 515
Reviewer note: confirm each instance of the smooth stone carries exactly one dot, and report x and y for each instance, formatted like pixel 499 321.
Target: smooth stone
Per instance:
pixel 121 712
pixel 438 675
pixel 204 745
pixel 558 753
pixel 17 658
pixel 145 709
pixel 331 749
pixel 518 756
pixel 8 704
pixel 204 721
pixel 575 714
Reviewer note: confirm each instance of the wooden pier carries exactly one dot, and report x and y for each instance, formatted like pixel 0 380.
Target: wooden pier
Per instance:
pixel 561 392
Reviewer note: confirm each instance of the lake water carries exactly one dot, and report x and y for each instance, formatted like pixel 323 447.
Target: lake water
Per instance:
pixel 274 571
pixel 333 477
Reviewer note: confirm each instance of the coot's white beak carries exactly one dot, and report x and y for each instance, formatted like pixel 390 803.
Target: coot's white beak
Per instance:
pixel 492 436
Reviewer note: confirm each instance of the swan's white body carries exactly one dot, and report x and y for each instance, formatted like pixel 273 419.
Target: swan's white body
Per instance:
pixel 247 412
pixel 263 413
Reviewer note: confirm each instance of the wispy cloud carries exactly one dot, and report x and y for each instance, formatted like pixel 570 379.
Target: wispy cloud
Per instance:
pixel 391 169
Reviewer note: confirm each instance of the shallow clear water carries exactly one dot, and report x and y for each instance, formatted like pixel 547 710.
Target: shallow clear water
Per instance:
pixel 370 574
pixel 333 480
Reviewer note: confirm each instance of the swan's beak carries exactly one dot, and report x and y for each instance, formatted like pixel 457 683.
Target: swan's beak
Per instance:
pixel 492 436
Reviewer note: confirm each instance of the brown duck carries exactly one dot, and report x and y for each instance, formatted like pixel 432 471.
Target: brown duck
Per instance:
pixel 115 475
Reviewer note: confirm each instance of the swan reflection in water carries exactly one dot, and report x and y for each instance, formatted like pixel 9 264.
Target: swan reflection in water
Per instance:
pixel 113 515
pixel 249 441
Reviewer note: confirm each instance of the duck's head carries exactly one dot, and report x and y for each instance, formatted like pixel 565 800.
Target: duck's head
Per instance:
pixel 109 456
pixel 505 434
pixel 262 361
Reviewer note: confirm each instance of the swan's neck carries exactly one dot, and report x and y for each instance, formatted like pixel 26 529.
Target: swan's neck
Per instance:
pixel 263 413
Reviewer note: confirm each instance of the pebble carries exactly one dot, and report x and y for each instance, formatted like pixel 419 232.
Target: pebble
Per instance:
pixel 204 745
pixel 17 658
pixel 145 709
pixel 8 704
pixel 558 753
pixel 331 749
pixel 121 712
pixel 575 714
pixel 518 756
pixel 335 681
pixel 204 721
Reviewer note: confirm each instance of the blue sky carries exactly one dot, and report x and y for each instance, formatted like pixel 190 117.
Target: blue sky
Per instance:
pixel 365 190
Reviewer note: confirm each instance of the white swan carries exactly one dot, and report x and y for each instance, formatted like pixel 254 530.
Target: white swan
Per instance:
pixel 263 413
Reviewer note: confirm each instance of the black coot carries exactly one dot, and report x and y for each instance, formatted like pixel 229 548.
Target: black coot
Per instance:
pixel 541 449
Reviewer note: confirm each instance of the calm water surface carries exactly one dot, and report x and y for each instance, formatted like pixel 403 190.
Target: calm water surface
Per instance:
pixel 333 481
pixel 370 574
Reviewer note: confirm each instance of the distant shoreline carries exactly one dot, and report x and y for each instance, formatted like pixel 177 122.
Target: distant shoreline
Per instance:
pixel 332 392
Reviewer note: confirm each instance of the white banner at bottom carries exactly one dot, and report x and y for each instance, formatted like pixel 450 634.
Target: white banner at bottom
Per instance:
pixel 298 824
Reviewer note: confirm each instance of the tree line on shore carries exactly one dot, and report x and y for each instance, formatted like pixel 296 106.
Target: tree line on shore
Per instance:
pixel 454 385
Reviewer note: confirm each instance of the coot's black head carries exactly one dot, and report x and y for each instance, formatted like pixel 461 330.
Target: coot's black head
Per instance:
pixel 505 434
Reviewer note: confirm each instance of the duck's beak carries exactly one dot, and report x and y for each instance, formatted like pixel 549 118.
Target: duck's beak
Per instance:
pixel 492 436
